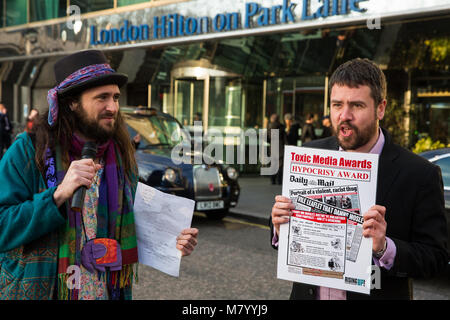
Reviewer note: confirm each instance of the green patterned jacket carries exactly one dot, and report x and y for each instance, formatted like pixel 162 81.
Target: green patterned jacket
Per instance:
pixel 29 220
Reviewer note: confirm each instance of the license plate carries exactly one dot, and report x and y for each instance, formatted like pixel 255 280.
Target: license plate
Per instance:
pixel 210 205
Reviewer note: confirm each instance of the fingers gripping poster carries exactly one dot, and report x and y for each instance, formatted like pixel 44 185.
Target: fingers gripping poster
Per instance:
pixel 323 242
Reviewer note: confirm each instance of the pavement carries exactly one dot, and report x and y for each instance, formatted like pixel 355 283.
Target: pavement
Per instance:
pixel 256 199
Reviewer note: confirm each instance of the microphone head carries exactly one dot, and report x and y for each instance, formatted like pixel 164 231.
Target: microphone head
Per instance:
pixel 89 150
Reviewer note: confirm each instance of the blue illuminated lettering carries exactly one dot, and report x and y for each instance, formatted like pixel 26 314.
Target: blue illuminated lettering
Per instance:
pixel 219 22
pixel 123 32
pixel 263 19
pixel 251 9
pixel 161 27
pixel 190 26
pixel 104 36
pixel 354 5
pixel 256 15
pixel 305 10
pixel 144 32
pixel 287 14
pixel 274 15
pixel 203 25
pixel 323 10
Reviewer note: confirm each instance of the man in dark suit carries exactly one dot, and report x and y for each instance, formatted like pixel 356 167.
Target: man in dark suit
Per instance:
pixel 276 125
pixel 407 224
pixel 326 126
pixel 308 133
pixel 292 128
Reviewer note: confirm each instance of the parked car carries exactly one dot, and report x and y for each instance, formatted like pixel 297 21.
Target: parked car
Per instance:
pixel 213 186
pixel 441 157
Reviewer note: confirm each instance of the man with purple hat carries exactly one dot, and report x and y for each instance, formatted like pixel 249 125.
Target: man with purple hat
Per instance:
pixel 49 248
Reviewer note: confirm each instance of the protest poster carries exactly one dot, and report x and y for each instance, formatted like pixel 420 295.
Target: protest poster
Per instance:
pixel 323 243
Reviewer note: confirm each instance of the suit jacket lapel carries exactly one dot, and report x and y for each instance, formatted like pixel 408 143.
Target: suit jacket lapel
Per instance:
pixel 387 170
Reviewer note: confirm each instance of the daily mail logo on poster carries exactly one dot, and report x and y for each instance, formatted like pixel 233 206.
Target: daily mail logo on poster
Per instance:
pixel 323 243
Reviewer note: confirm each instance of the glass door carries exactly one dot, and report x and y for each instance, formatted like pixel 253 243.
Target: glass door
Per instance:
pixel 226 106
pixel 189 100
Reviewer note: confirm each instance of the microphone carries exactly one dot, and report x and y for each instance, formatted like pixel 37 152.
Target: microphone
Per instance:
pixel 89 151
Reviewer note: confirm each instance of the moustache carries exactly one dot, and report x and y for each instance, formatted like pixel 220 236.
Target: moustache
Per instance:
pixel 107 115
pixel 347 124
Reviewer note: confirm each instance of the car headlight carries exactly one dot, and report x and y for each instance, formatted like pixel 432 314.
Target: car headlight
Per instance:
pixel 232 173
pixel 170 175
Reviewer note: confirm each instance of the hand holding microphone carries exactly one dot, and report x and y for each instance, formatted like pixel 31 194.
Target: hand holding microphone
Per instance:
pixel 78 177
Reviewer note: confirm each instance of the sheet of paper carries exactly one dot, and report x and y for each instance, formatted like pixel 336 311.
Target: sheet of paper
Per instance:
pixel 323 244
pixel 159 219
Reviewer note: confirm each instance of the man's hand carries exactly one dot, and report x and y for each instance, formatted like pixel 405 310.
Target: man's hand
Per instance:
pixel 80 173
pixel 281 211
pixel 374 226
pixel 187 240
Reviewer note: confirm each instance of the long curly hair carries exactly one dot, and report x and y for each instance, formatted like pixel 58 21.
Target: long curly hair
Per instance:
pixel 61 133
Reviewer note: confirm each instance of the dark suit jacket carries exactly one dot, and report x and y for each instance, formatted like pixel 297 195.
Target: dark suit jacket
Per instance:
pixel 292 135
pixel 411 189
pixel 308 133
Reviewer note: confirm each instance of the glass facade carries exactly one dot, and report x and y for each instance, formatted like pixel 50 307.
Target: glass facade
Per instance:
pixel 121 3
pixel 48 9
pixel 92 5
pixel 189 101
pixel 2 13
pixel 19 12
pixel 16 12
pixel 288 73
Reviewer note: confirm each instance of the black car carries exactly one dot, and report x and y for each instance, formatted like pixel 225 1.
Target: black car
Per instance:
pixel 213 185
pixel 441 157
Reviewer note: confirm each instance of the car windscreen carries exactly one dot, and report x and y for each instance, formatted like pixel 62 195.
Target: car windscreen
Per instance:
pixel 444 163
pixel 154 130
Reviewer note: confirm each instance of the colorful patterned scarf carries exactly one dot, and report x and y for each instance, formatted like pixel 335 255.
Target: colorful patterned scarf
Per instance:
pixel 115 220
pixel 77 77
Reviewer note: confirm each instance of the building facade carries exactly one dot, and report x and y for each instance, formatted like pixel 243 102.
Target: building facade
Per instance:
pixel 233 63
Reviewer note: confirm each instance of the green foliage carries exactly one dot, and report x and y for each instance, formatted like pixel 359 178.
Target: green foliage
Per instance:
pixel 426 144
pixel 393 121
pixel 439 48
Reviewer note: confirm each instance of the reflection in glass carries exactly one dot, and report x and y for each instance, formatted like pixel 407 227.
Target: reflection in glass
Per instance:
pixel 189 101
pixel 444 163
pixel 2 13
pixel 225 99
pixel 121 3
pixel 45 10
pixel 155 130
pixel 16 12
pixel 93 5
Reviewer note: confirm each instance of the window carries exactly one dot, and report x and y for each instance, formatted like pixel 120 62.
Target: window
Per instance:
pixel 121 3
pixel 444 163
pixel 225 102
pixel 92 5
pixel 16 12
pixel 2 13
pixel 48 9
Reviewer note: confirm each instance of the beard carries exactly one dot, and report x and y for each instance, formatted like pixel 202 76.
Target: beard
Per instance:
pixel 91 128
pixel 359 138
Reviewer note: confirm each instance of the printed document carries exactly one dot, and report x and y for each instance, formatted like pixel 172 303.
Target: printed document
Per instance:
pixel 323 243
pixel 159 219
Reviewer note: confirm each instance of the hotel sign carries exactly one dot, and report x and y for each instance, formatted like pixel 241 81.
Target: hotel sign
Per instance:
pixel 253 15
pixel 203 20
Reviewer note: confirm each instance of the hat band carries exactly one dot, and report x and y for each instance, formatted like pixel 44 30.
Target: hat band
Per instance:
pixel 79 76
